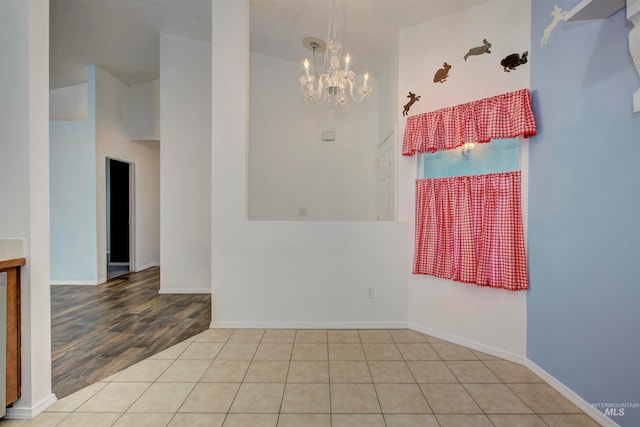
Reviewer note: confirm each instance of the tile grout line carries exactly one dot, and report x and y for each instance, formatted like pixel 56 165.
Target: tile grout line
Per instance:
pixel 224 420
pixel 375 389
pixel 465 388
pixel 504 383
pixel 245 373
pixel 156 381
pixel 286 377
pixel 414 377
pixel 373 383
pixel 198 382
pixel 329 376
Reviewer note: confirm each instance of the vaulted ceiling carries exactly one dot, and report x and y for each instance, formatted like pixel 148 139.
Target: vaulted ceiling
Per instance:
pixel 122 36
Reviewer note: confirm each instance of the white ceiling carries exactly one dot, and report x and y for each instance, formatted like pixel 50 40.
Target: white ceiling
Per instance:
pixel 122 35
pixel 367 28
pixel 107 33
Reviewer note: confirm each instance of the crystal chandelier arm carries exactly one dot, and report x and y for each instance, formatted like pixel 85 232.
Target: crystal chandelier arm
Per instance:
pixel 322 81
pixel 364 90
pixel 350 83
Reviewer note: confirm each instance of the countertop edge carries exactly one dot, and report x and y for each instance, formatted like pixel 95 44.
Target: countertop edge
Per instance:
pixel 11 263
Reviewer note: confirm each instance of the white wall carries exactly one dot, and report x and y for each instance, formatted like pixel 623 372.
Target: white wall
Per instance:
pixel 24 184
pixel 112 141
pixel 472 315
pixel 143 111
pixel 387 131
pixel 69 103
pixel 76 255
pixel 150 197
pixel 72 162
pixel 287 273
pixel 185 165
pixel 290 167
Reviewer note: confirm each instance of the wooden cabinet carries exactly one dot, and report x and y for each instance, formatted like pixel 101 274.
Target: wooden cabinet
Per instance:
pixel 12 268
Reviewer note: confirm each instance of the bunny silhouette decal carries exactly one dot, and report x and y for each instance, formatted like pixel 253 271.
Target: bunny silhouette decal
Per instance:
pixel 442 74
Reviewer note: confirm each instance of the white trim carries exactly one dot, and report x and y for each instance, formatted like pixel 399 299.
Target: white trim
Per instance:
pixel 571 395
pixel 117 263
pixel 133 237
pixel 396 167
pixel 185 291
pixel 594 9
pixel 308 325
pixel 26 413
pixel 513 357
pixel 133 223
pixel 151 264
pixel 74 282
pixel 522 360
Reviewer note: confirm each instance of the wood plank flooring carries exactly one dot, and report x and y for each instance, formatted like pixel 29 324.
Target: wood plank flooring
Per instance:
pixel 97 331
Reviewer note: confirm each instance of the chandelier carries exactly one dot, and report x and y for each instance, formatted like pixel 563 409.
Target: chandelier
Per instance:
pixel 334 86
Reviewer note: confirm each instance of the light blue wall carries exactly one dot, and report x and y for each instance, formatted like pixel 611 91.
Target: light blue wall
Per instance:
pixel 500 155
pixel 73 196
pixel 584 209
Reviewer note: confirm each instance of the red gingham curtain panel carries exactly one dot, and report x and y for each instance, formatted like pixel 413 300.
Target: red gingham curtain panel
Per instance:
pixel 504 116
pixel 469 229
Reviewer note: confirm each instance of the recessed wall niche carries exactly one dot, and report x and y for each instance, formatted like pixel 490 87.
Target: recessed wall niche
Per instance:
pixel 293 172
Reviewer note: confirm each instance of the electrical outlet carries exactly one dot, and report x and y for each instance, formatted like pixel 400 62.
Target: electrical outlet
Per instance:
pixel 371 293
pixel 302 212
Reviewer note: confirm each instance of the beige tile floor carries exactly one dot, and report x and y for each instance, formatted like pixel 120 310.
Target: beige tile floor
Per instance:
pixel 316 378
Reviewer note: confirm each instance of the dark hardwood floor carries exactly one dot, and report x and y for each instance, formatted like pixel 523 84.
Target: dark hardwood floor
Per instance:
pixel 97 331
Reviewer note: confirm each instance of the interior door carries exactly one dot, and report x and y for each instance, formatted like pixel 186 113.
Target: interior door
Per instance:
pixel 385 179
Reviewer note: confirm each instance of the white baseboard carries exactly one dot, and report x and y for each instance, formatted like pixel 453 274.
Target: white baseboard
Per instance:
pixel 571 395
pixel 307 325
pixel 513 357
pixel 184 291
pixel 28 413
pixel 74 282
pixel 523 360
pixel 144 267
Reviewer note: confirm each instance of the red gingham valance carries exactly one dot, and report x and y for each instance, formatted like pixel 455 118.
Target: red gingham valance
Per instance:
pixel 469 229
pixel 504 116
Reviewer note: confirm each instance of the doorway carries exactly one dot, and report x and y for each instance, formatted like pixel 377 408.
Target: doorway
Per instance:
pixel 119 206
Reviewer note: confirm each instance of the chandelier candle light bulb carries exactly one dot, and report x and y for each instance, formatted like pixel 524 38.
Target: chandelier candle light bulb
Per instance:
pixel 306 67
